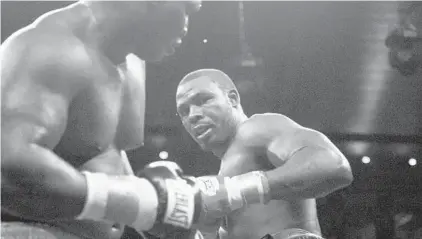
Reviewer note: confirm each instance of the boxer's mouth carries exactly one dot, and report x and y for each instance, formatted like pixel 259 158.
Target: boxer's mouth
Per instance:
pixel 204 134
pixel 201 130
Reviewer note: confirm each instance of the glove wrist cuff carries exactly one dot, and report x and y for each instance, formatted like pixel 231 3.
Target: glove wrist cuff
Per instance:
pixel 132 201
pixel 96 197
pixel 120 199
pixel 254 187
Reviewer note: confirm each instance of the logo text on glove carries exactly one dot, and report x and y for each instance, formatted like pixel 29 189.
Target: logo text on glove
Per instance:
pixel 208 185
pixel 180 204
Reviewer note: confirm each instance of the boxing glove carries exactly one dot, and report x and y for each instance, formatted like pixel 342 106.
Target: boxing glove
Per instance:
pixel 222 195
pixel 159 201
pixel 180 202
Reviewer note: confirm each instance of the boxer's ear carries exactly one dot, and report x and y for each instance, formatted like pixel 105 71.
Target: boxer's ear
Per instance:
pixel 234 98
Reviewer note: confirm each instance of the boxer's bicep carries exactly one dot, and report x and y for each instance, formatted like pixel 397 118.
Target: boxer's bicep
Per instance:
pixel 34 107
pixel 315 143
pixel 284 140
pixel 33 113
pixel 312 166
pixel 38 89
pixel 293 139
pixel 34 116
pixel 288 138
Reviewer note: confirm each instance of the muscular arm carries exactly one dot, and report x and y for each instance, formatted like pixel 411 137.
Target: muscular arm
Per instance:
pixel 36 92
pixel 308 164
pixel 129 171
pixel 130 133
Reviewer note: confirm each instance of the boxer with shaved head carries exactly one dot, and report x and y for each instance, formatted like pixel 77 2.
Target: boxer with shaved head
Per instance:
pixel 272 169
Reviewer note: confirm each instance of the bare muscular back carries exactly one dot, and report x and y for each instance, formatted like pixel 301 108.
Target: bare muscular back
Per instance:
pixel 255 221
pixel 92 112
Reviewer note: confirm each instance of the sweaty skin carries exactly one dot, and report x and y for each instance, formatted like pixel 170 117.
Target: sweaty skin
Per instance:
pixel 257 220
pixel 300 164
pixel 68 100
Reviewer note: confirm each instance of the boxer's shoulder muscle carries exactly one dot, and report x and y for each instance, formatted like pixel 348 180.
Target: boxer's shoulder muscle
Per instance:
pixel 37 86
pixel 247 151
pixel 270 136
pixel 44 58
pixel 284 137
pixel 260 129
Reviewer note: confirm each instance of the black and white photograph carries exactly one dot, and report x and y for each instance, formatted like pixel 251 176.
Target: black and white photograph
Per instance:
pixel 211 119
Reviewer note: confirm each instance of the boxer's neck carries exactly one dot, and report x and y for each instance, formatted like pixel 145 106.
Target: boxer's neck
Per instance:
pixel 75 17
pixel 220 150
pixel 83 23
pixel 103 37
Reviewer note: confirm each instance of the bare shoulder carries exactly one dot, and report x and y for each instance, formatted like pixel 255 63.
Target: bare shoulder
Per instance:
pixel 260 129
pixel 44 56
pixel 274 120
pixel 269 124
pixel 39 77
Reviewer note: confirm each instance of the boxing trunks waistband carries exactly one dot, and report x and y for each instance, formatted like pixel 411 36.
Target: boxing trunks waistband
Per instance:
pixel 293 233
pixel 23 230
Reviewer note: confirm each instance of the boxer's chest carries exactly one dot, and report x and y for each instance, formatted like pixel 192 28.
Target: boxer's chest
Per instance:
pixel 242 160
pixel 89 141
pixel 93 121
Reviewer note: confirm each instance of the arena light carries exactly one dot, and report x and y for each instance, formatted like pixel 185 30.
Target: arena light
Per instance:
pixel 366 159
pixel 205 40
pixel 163 155
pixel 412 162
pixel 357 147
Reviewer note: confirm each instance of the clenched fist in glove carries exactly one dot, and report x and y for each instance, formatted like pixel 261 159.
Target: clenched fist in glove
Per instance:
pixel 160 200
pixel 180 202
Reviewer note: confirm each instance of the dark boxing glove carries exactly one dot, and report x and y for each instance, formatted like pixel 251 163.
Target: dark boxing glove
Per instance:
pixel 180 202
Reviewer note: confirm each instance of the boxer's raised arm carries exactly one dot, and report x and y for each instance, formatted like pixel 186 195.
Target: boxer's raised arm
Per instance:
pixel 308 164
pixel 36 92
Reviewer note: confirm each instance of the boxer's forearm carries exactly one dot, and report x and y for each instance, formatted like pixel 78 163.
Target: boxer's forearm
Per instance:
pixel 309 173
pixel 37 184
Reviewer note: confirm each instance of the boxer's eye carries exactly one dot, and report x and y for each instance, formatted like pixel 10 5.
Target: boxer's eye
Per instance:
pixel 204 100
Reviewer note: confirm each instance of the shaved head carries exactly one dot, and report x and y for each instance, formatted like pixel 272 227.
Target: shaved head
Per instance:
pixel 220 78
pixel 208 98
